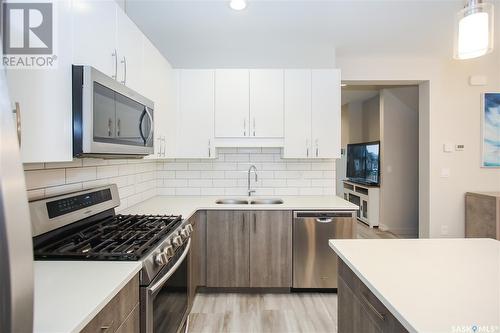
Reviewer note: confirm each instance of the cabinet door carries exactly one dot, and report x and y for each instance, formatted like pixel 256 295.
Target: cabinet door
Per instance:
pixel 326 113
pixel 228 249
pixel 266 103
pixel 45 99
pixel 271 249
pixel 231 103
pixel 196 114
pixel 197 253
pixel 94 35
pixel 129 44
pixel 156 71
pixel 297 113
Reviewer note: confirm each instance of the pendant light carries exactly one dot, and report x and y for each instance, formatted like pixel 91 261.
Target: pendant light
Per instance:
pixel 474 30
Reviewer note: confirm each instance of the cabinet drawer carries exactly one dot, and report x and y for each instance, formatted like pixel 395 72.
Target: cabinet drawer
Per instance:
pixel 117 310
pixel 131 323
pixel 371 306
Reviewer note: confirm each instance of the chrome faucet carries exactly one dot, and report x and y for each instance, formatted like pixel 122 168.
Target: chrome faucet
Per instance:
pixel 252 167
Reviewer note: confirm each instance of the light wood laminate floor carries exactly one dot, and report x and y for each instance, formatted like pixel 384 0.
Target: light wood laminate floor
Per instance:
pixel 239 313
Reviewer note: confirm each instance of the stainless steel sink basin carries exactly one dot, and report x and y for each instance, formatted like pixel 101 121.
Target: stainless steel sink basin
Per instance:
pixel 267 202
pixel 231 202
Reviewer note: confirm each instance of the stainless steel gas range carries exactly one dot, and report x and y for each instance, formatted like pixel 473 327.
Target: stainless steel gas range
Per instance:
pixel 84 226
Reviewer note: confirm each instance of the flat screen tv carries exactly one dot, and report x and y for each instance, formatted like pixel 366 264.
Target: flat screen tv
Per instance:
pixel 363 163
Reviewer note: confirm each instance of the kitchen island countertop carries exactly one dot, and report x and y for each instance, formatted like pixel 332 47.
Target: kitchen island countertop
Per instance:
pixel 430 285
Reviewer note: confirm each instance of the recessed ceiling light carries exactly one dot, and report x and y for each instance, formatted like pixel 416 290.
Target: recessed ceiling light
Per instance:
pixel 238 4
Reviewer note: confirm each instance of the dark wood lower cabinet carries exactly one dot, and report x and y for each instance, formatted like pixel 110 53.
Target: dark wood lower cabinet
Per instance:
pixel 121 314
pixel 228 258
pixel 197 258
pixel 359 310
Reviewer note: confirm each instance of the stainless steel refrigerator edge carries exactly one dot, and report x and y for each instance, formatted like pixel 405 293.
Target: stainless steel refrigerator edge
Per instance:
pixel 16 249
pixel 314 262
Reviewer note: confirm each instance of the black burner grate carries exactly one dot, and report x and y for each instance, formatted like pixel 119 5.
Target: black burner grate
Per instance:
pixel 120 237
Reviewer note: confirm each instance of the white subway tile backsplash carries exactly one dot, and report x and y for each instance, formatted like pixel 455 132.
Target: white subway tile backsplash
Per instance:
pixel 75 175
pixel 107 171
pixel 139 179
pixel 45 178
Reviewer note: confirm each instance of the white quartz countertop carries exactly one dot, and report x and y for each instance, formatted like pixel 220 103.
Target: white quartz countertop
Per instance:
pixel 187 205
pixel 431 285
pixel 68 294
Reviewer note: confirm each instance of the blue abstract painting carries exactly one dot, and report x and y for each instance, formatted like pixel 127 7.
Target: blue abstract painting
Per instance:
pixel 491 130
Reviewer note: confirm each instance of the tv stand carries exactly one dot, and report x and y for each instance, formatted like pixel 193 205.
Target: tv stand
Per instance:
pixel 367 197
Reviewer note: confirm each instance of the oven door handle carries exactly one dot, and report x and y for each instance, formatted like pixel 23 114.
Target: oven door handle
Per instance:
pixel 157 286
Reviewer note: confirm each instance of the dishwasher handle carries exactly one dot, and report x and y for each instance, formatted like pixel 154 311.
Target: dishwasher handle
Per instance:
pixel 322 216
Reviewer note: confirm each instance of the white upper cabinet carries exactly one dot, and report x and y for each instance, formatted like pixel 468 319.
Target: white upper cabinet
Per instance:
pixel 312 114
pixel 94 35
pixel 129 47
pixel 195 117
pixel 155 84
pixel 266 103
pixel 325 94
pixel 231 103
pixel 297 143
pixel 44 97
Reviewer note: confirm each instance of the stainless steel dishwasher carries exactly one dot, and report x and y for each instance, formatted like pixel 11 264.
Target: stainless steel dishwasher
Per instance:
pixel 314 262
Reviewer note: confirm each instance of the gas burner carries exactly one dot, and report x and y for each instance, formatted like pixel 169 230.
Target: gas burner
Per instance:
pixel 119 237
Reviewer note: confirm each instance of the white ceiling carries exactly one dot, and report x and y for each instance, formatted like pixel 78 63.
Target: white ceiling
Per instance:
pixel 294 33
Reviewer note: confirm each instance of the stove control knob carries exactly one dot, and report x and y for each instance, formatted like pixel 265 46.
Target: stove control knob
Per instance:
pixel 189 228
pixel 161 259
pixel 177 241
pixel 184 234
pixel 169 251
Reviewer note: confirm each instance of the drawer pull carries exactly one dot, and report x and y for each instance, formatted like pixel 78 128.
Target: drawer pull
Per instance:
pixel 106 327
pixel 365 300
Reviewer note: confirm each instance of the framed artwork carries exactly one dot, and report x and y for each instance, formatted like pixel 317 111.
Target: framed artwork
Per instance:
pixel 490 138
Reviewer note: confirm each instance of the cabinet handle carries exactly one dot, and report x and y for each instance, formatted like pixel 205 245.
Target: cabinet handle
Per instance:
pixel 124 62
pixel 118 127
pixel 106 327
pixel 307 147
pixel 115 55
pixel 243 224
pixel 110 123
pixel 370 306
pixel 244 127
pixel 254 222
pixel 317 148
pixel 17 111
pixel 209 149
pixel 164 140
pixel 253 126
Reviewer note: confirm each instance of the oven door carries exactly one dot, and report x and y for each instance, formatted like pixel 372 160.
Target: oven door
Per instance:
pixel 164 303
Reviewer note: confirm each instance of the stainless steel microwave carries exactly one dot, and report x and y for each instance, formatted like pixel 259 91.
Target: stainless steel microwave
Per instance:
pixel 110 120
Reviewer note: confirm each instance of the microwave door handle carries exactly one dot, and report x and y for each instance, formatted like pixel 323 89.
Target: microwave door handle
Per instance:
pixel 141 119
pixel 155 288
pixel 150 135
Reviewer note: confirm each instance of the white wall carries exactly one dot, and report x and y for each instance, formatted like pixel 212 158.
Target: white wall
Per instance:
pixel 453 116
pixel 399 163
pixel 371 119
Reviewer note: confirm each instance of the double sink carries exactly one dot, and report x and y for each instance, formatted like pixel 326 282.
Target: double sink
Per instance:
pixel 229 201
